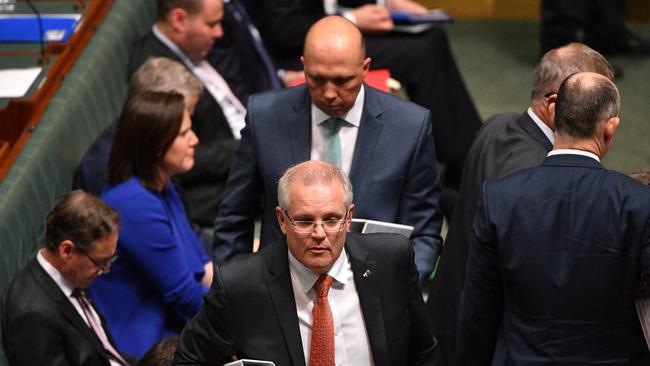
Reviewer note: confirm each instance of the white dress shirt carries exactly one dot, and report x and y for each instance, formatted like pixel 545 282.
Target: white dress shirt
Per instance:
pixel 347 134
pixel 574 152
pixel 351 343
pixel 67 289
pixel 542 126
pixel 216 85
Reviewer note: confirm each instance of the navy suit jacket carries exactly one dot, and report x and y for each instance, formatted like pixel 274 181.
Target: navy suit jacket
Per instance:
pixel 250 310
pixel 394 171
pixel 507 143
pixel 556 254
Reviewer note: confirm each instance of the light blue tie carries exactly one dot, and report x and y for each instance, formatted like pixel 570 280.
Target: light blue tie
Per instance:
pixel 332 141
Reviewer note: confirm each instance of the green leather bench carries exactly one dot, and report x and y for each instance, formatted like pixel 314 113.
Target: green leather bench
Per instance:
pixel 89 99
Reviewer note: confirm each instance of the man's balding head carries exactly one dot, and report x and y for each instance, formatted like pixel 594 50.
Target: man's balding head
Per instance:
pixel 335 34
pixel 335 64
pixel 586 101
pixel 557 64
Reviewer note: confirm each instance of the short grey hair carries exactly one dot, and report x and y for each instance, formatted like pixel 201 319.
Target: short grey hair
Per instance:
pixel 310 173
pixel 161 74
pixel 559 63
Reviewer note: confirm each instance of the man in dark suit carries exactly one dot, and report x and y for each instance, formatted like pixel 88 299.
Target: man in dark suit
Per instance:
pixel 557 251
pixel 318 295
pixel 506 143
pixel 185 32
pixel 422 62
pixel 46 319
pixel 385 145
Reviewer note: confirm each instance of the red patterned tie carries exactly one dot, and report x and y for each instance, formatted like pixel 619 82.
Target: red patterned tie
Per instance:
pixel 321 352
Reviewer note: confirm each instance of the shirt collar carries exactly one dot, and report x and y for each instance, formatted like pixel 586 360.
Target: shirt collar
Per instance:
pixel 574 152
pixel 54 273
pixel 307 278
pixel 542 126
pixel 172 46
pixel 353 116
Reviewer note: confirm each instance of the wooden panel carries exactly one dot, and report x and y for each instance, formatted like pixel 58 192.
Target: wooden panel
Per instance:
pixel 517 9
pixel 466 9
pixel 23 114
pixel 638 10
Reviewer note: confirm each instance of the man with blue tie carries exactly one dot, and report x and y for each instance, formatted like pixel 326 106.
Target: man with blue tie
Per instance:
pixel 557 251
pixel 383 142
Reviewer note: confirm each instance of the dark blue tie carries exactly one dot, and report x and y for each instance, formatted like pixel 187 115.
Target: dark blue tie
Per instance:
pixel 241 16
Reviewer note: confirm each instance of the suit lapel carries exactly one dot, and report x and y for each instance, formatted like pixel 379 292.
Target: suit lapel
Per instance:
pixel 298 126
pixel 64 305
pixel 365 279
pixel 278 282
pixel 528 125
pixel 369 132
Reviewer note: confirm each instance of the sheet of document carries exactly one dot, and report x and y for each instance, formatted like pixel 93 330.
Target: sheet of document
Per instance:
pixel 14 83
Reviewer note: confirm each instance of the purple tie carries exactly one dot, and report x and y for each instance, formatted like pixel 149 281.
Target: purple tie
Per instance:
pixel 80 295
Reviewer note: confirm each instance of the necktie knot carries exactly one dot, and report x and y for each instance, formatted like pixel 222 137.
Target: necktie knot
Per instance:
pixel 323 284
pixel 79 294
pixel 334 124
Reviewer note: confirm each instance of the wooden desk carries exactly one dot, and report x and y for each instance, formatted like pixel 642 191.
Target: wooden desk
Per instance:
pixel 20 116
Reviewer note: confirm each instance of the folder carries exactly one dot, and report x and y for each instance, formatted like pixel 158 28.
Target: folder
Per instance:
pixel 25 27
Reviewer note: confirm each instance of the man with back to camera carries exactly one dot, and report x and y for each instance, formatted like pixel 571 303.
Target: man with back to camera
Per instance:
pixel 507 143
pixel 382 142
pixel 46 317
pixel 557 251
pixel 318 296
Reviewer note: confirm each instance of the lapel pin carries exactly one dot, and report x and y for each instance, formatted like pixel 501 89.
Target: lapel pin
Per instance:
pixel 366 274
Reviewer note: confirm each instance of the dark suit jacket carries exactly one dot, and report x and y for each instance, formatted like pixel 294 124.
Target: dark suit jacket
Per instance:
pixel 251 312
pixel 506 143
pixel 422 62
pixel 394 172
pixel 201 187
pixel 235 57
pixel 556 254
pixel 41 327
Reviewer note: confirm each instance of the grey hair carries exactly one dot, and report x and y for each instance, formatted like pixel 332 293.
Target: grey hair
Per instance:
pixel 559 63
pixel 161 74
pixel 310 173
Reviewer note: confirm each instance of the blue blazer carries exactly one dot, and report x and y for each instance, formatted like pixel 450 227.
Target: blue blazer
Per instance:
pixel 154 287
pixel 555 256
pixel 394 170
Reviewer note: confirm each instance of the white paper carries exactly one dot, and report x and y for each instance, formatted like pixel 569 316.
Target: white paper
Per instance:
pixel 14 83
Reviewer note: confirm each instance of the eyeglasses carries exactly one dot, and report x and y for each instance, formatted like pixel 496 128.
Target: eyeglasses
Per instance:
pixel 103 267
pixel 306 227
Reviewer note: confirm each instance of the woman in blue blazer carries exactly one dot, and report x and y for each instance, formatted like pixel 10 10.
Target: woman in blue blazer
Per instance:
pixel 162 271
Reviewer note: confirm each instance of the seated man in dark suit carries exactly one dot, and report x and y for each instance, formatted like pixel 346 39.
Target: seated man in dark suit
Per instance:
pixel 422 62
pixel 185 31
pixel 242 57
pixel 557 251
pixel 319 296
pixel 382 142
pixel 507 143
pixel 46 317
pixel 157 74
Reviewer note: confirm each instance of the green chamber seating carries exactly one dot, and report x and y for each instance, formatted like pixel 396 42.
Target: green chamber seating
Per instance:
pixel 89 99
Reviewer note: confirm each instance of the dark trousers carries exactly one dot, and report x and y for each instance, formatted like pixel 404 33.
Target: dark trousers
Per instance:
pixel 424 64
pixel 602 23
